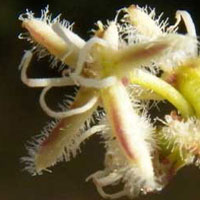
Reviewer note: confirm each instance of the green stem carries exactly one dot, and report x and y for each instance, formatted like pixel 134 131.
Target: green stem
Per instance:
pixel 162 88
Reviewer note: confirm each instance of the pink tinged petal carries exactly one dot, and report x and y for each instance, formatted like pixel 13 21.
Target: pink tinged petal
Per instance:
pixel 123 61
pixel 43 34
pixel 143 51
pixel 120 133
pixel 130 130
pixel 57 146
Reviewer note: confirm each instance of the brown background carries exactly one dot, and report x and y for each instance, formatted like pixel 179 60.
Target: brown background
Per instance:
pixel 21 116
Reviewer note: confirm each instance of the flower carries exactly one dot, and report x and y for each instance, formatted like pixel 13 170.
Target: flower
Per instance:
pixel 117 70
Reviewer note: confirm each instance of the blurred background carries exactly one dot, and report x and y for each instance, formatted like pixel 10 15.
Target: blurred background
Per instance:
pixel 21 116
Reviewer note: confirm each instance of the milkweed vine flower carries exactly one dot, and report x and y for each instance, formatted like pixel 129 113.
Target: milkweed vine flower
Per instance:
pixel 118 72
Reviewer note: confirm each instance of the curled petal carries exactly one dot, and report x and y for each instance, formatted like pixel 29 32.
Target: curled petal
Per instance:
pixel 191 30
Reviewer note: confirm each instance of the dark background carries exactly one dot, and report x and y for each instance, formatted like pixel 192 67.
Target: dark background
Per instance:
pixel 21 116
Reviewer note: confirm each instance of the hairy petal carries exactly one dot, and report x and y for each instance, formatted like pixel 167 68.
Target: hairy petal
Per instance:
pixel 55 145
pixel 143 22
pixel 129 129
pixel 45 33
pixel 165 49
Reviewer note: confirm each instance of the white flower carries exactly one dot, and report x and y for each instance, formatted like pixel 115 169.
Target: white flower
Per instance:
pixel 107 67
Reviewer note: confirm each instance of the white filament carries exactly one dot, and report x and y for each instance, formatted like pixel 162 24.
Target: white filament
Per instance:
pixel 67 113
pixel 72 40
pixel 90 132
pixel 40 82
pixel 68 36
pixel 101 179
pixel 94 83
pixel 189 24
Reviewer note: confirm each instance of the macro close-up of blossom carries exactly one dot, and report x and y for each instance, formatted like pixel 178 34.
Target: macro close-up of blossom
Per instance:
pixel 132 64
